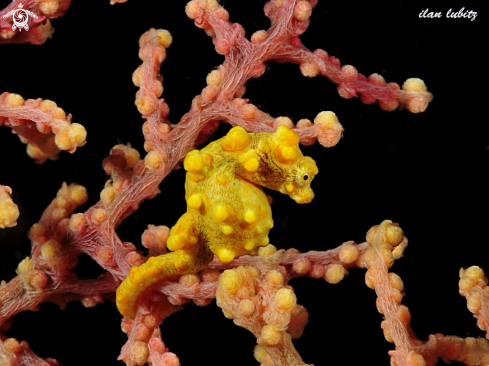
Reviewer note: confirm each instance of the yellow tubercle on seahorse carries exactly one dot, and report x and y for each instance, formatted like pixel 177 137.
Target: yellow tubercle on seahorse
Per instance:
pixel 228 213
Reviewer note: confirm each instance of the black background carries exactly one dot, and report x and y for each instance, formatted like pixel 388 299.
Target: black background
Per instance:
pixel 427 172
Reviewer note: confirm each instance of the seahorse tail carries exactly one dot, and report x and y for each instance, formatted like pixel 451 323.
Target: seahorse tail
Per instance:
pixel 156 269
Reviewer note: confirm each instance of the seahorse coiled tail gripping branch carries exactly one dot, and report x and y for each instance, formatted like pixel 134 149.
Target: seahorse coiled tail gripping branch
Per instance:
pixel 228 213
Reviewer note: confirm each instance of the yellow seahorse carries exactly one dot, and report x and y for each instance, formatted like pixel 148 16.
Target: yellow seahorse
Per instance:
pixel 228 213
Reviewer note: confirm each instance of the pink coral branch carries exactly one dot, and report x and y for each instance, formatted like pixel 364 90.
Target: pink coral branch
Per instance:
pixel 386 245
pixel 414 95
pixel 263 304
pixel 42 125
pixel 295 264
pixel 9 212
pixel 324 264
pixel 47 275
pixel 245 60
pixel 144 342
pixel 32 287
pixel 483 320
pixel 473 286
pixel 15 353
pixel 470 351
pixel 159 355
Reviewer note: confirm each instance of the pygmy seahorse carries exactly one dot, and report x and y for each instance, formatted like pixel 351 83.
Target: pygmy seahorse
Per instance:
pixel 228 213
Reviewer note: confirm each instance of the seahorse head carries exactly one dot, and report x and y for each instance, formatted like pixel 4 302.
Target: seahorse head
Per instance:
pixel 273 160
pixel 299 169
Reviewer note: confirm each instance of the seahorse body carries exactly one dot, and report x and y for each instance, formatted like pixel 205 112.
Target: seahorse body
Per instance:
pixel 228 214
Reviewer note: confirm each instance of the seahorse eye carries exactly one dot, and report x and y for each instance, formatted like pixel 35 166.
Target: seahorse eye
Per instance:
pixel 303 178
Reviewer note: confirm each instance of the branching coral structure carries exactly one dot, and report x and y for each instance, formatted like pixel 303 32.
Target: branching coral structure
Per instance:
pixel 219 247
